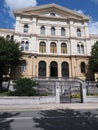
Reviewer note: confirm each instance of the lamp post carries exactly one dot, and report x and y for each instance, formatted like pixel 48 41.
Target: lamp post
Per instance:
pixel 31 57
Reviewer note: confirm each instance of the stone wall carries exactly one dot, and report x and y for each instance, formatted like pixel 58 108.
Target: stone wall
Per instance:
pixel 27 100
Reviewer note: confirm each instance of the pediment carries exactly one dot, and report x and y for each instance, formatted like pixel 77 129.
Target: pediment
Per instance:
pixel 47 10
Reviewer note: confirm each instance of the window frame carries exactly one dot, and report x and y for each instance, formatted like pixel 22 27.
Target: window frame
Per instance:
pixel 78 32
pixel 52 31
pixel 63 48
pixel 83 67
pixel 53 47
pixel 52 14
pixel 42 30
pixel 42 47
pixel 24 45
pixel 62 31
pixel 26 28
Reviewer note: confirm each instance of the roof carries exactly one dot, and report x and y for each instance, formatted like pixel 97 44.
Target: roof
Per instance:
pixel 34 10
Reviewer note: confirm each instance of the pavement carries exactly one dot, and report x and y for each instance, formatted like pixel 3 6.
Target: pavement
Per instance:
pixel 39 107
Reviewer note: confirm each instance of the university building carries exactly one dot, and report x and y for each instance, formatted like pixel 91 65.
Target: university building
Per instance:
pixel 55 41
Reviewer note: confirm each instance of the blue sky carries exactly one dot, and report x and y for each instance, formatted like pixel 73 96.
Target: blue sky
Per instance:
pixel 88 7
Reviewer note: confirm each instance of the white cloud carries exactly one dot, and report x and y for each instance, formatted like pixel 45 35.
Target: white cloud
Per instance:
pixel 79 11
pixel 96 1
pixel 17 4
pixel 93 27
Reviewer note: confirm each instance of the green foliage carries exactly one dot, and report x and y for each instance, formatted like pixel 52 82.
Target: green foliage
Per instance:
pixel 10 57
pixel 93 61
pixel 24 87
pixel 10 54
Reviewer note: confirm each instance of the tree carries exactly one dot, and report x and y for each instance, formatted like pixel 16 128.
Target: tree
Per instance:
pixel 10 57
pixel 93 61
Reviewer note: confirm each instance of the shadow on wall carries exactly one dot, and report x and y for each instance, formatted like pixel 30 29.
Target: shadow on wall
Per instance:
pixel 66 120
pixel 5 124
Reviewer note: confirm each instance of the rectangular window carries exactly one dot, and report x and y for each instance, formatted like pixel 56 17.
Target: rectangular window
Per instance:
pixel 22 68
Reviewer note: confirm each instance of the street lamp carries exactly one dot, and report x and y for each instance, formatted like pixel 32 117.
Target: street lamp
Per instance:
pixel 33 56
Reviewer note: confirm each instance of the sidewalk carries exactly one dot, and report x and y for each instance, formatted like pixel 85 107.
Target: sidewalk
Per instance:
pixel 48 107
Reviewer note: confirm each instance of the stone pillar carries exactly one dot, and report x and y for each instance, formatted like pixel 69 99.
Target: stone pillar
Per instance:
pixel 48 70
pixel 83 92
pixel 57 93
pixel 59 69
pixel 72 29
pixel 11 85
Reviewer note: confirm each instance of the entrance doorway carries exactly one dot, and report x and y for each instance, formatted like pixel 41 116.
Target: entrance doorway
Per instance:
pixel 53 69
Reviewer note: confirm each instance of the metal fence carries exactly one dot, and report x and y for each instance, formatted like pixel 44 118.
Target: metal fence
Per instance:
pixel 92 88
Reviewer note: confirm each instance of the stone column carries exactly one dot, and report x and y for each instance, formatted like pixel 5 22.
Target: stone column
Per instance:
pixel 57 92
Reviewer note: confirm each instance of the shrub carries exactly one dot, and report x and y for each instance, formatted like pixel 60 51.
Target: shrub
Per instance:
pixel 24 87
pixel 75 96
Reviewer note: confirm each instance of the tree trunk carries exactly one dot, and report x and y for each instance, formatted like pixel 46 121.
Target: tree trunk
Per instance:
pixel 1 80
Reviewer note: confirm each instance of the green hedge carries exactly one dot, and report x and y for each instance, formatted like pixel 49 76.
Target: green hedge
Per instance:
pixel 24 87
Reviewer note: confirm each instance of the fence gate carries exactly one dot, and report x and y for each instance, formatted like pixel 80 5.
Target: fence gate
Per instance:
pixel 70 93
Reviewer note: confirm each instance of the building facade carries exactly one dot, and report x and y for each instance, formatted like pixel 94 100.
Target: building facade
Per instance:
pixel 55 41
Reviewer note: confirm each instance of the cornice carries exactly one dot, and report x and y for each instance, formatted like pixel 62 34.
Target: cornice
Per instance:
pixel 7 30
pixel 70 18
pixel 93 36
pixel 53 37
pixel 56 55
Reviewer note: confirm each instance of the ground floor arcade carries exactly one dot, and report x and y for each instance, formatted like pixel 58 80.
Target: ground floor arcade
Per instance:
pixel 55 66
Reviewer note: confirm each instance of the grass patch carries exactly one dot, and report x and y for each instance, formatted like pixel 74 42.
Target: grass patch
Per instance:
pixel 4 94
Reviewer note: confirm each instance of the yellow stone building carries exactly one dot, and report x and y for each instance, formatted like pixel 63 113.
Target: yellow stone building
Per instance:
pixel 55 40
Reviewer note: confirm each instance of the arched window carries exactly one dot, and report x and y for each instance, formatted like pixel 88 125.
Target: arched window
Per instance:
pixel 24 45
pixel 23 67
pixel 82 49
pixel 42 47
pixel 42 30
pixel 52 14
pixel 52 31
pixel 42 69
pixel 53 69
pixel 12 38
pixel 8 37
pixel 53 48
pixel 62 31
pixel 78 32
pixel 82 67
pixel 78 48
pixel 65 69
pixel 26 28
pixel 63 48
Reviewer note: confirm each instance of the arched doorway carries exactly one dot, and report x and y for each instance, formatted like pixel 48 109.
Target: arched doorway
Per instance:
pixel 53 69
pixel 65 69
pixel 42 69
